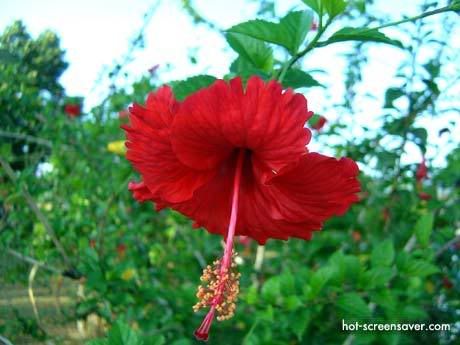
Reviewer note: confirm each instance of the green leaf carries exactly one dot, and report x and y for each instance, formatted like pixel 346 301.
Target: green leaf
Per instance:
pixel 353 307
pixel 432 86
pixel 392 94
pixel 246 69
pixel 378 276
pixel 251 295
pixel 319 279
pixel 185 87
pixel 182 341
pixel 122 334
pixel 287 283
pixel 383 254
pixel 296 25
pixel 271 289
pixel 6 56
pixel 255 51
pixel 299 322
pixel 334 7
pixel 420 137
pixel 359 34
pixel 268 314
pixel 97 342
pixel 292 302
pixel 297 78
pixel 154 340
pixel 455 5
pixel 413 313
pixel 386 299
pixel 360 5
pixel 290 32
pixel 419 268
pixel 315 5
pixel 423 228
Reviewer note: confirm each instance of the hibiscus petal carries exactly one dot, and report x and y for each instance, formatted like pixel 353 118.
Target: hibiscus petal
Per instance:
pixel 298 199
pixel 140 191
pixel 150 151
pixel 215 121
pixel 317 188
pixel 295 203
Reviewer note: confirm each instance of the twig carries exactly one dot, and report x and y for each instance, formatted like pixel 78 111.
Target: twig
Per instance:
pixel 26 137
pixel 32 261
pixel 410 244
pixel 32 274
pixel 316 44
pixel 30 139
pixel 402 21
pixel 199 258
pixel 5 341
pixel 445 247
pixel 259 258
pixel 33 206
pixel 104 217
pixel 349 339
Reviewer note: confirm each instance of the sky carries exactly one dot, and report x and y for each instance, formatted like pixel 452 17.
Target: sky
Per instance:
pixel 96 33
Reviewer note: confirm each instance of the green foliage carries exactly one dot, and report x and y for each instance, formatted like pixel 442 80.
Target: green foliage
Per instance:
pixel 423 228
pixel 254 51
pixel 334 7
pixel 185 87
pixel 297 78
pixel 315 5
pixel 353 307
pixel 360 34
pixel 290 32
pixel 383 254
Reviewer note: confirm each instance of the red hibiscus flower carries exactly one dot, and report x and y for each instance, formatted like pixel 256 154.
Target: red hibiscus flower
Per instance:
pixel 235 161
pixel 73 110
pixel 422 171
pixel 244 240
pixel 123 114
pixel 424 196
pixel 447 283
pixel 319 123
pixel 121 250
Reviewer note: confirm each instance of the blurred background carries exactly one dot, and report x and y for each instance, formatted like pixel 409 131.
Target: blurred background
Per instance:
pixel 80 259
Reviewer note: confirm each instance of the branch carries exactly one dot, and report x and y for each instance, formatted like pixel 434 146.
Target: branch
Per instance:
pixel 445 247
pixel 413 19
pixel 30 139
pixel 308 48
pixel 32 261
pixel 33 206
pixel 5 341
pixel 410 244
pixel 402 21
pixel 315 44
pixel 30 290
pixel 26 137
pixel 259 258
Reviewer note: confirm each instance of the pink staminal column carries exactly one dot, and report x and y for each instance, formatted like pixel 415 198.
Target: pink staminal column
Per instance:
pixel 220 281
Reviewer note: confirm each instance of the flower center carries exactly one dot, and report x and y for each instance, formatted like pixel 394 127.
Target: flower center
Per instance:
pixel 221 281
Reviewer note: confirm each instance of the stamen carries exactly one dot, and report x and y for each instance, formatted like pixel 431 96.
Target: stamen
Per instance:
pixel 221 280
